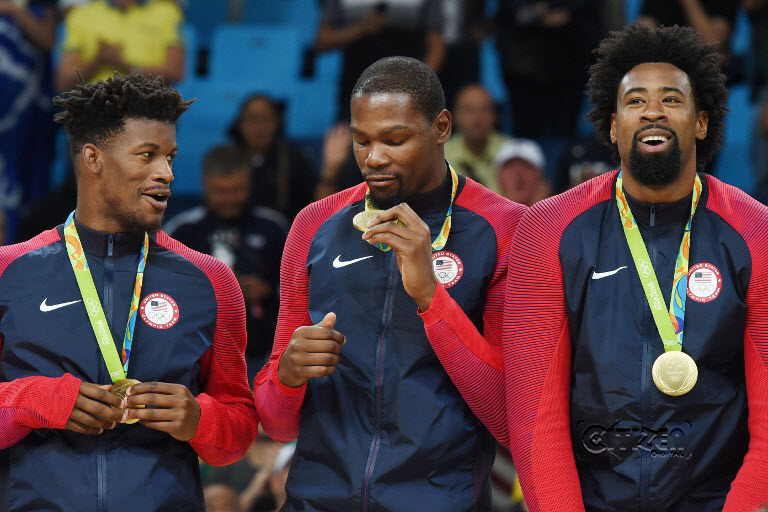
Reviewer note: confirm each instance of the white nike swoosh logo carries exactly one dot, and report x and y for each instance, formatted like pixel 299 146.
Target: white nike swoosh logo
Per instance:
pixel 600 275
pixel 337 263
pixel 45 307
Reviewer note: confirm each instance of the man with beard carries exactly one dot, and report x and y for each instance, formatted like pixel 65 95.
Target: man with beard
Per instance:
pixel 384 342
pixel 635 333
pixel 69 402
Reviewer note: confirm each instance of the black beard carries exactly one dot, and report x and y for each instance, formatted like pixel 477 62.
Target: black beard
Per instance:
pixel 655 169
pixel 130 220
pixel 387 202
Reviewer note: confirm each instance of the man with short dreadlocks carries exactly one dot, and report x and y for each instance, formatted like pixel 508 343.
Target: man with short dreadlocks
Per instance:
pixel 636 320
pixel 121 350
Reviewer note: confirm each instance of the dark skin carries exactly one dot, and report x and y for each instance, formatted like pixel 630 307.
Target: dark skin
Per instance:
pixel 657 93
pixel 400 151
pixel 124 186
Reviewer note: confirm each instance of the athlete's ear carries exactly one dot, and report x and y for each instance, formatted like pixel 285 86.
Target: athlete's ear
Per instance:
pixel 442 124
pixel 92 159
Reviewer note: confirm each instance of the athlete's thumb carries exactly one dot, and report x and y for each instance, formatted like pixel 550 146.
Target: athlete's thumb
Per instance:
pixel 328 321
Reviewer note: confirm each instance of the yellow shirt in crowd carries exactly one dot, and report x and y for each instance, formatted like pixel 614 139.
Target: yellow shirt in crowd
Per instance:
pixel 144 31
pixel 478 167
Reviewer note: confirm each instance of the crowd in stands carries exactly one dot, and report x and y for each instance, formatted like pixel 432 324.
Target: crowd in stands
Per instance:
pixel 269 131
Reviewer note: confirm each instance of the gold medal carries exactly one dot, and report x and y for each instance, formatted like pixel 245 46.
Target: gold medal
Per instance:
pixel 120 387
pixel 675 373
pixel 361 220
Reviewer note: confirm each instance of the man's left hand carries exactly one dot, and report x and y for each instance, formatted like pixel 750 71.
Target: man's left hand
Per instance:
pixel 169 408
pixel 413 248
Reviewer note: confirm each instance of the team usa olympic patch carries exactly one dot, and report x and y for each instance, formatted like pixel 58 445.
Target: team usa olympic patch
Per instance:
pixel 704 282
pixel 448 267
pixel 159 310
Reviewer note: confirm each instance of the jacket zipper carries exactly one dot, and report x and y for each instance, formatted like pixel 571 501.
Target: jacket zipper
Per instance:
pixel 386 317
pixel 645 477
pixel 101 464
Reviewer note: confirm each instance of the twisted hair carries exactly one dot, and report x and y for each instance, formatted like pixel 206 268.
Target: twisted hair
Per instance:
pixel 680 46
pixel 94 113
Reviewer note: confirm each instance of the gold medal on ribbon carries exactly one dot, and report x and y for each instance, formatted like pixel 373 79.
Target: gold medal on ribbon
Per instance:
pixel 361 220
pixel 674 373
pixel 120 388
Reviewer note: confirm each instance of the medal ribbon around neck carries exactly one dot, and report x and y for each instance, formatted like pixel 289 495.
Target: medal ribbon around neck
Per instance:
pixel 671 325
pixel 76 252
pixel 442 236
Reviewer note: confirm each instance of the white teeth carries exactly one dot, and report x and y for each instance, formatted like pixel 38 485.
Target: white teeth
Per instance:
pixel 649 138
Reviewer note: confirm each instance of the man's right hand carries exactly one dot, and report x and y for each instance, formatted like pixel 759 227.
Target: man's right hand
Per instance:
pixel 313 352
pixel 96 408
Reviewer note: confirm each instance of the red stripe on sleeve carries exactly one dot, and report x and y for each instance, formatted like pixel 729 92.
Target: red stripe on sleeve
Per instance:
pixel 473 360
pixel 749 490
pixel 36 401
pixel 228 421
pixel 537 350
pixel 277 404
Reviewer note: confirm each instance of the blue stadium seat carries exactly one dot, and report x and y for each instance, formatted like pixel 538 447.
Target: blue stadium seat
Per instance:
pixel 253 52
pixel 205 16
pixel 490 71
pixel 303 15
pixel 734 164
pixel 189 35
pixel 202 126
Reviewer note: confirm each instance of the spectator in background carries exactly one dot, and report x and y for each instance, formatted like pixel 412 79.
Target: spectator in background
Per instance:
pixel 249 240
pixel 368 30
pixel 339 169
pixel 758 16
pixel 221 498
pixel 544 49
pixel 27 34
pixel 712 19
pixel 473 150
pixel 281 177
pixel 585 158
pixel 464 28
pixel 520 167
pixel 129 36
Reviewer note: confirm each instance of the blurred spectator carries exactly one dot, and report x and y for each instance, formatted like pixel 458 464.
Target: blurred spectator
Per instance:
pixel 281 177
pixel 280 474
pixel 129 36
pixel 339 171
pixel 758 15
pixel 368 30
pixel 464 28
pixel 49 211
pixel 472 151
pixel 248 239
pixel 27 34
pixel 585 158
pixel 520 165
pixel 221 498
pixel 712 19
pixel 250 477
pixel 544 50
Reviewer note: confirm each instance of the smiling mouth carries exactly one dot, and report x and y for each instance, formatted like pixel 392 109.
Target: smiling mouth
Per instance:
pixel 654 140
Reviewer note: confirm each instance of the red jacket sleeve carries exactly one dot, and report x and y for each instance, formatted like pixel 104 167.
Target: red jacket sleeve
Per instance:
pixel 749 490
pixel 279 405
pixel 473 360
pixel 228 421
pixel 35 402
pixel 537 351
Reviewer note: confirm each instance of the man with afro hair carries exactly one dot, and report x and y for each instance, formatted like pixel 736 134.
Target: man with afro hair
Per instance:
pixel 80 427
pixel 636 320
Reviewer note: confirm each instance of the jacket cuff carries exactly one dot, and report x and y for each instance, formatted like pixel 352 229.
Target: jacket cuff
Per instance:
pixel 285 390
pixel 438 307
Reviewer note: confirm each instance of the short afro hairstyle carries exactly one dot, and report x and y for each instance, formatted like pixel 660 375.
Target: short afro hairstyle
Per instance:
pixel 94 113
pixel 680 46
pixel 407 76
